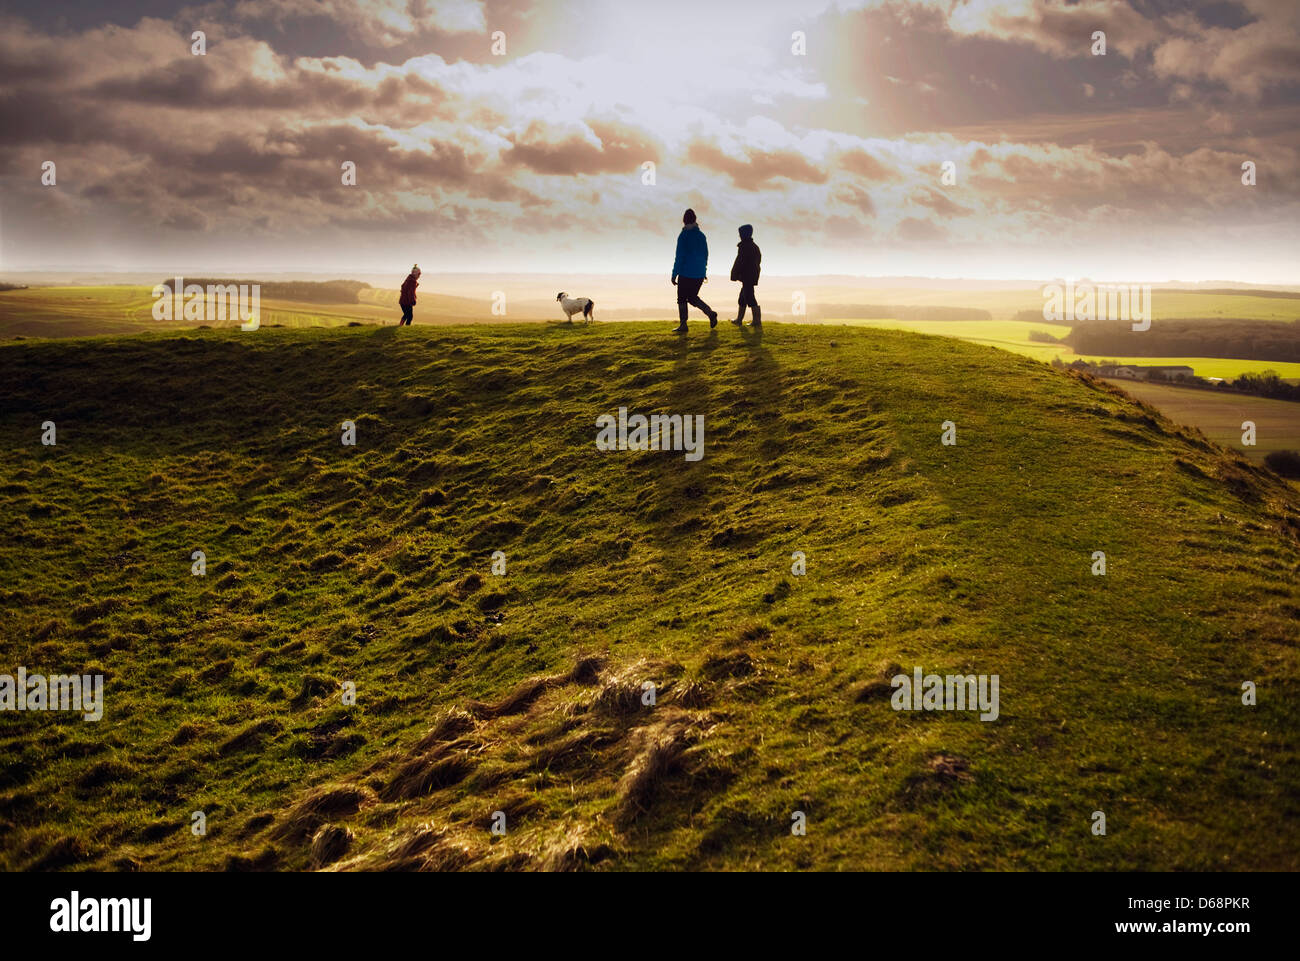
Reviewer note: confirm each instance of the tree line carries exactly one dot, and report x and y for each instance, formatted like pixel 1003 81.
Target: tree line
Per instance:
pixel 1190 337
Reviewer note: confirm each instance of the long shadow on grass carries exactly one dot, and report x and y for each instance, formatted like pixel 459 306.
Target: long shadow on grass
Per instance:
pixel 763 381
pixel 688 511
pixel 676 488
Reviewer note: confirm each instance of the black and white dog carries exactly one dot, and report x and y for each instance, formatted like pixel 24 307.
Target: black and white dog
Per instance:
pixel 573 305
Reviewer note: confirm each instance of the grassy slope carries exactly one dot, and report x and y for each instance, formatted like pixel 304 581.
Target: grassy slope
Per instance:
pixel 371 564
pixel 1013 335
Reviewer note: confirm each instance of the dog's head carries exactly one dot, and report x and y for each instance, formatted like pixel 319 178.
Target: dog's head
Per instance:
pixel 560 295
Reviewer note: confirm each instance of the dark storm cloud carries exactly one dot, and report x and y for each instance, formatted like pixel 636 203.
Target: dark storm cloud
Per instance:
pixel 28 115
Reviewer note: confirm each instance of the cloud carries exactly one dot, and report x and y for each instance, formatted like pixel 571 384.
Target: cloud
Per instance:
pixel 1248 61
pixel 596 146
pixel 915 230
pixel 239 150
pixel 866 165
pixel 1248 47
pixel 755 169
pixel 936 200
pixel 375 22
pixel 857 198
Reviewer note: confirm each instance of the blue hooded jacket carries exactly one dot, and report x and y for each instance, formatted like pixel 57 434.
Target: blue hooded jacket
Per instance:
pixel 692 258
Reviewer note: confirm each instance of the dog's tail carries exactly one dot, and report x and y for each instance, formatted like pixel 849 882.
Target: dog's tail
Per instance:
pixel 586 311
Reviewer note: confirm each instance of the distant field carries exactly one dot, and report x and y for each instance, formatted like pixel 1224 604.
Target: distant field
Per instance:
pixel 1206 366
pixel 1179 303
pixel 1005 304
pixel 75 311
pixel 92 311
pixel 1219 416
pixel 1013 335
pixel 95 311
pixel 120 308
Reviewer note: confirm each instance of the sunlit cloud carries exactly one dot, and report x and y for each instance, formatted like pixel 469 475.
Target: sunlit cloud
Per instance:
pixel 1063 161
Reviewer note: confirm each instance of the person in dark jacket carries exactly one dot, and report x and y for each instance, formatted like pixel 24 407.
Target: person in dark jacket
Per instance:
pixel 690 267
pixel 745 270
pixel 407 299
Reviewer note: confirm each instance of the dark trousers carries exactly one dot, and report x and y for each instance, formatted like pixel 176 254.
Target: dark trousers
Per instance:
pixel 747 299
pixel 688 292
pixel 406 315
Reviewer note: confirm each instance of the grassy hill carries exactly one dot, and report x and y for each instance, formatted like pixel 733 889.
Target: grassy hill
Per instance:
pixel 1014 335
pixel 522 693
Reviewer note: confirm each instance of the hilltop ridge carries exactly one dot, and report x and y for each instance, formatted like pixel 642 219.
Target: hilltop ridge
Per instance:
pixel 524 693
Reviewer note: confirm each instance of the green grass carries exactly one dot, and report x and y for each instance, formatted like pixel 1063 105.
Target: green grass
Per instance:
pixel 1013 335
pixel 371 564
pixel 1169 304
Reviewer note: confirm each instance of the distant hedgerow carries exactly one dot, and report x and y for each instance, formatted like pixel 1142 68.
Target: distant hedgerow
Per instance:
pixel 1284 462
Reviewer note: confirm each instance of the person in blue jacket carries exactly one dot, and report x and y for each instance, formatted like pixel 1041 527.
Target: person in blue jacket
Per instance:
pixel 690 267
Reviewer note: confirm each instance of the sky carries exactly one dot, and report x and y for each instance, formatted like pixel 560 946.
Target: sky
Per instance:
pixel 513 136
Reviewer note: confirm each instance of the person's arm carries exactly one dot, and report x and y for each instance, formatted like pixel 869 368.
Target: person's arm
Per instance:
pixel 704 242
pixel 677 257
